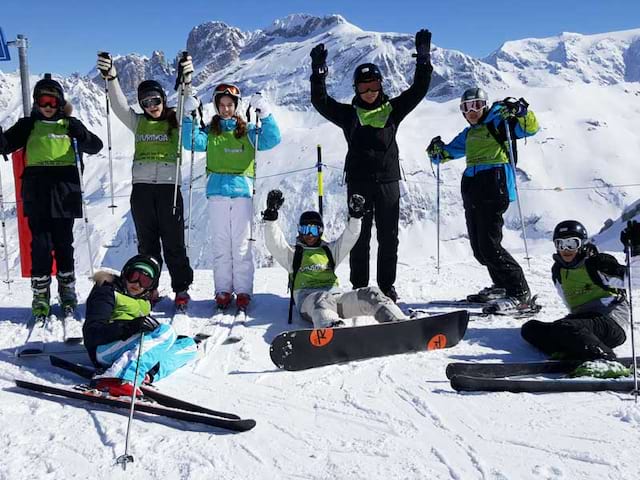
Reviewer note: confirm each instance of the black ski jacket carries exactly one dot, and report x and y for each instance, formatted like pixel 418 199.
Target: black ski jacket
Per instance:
pixel 47 191
pixel 99 326
pixel 372 152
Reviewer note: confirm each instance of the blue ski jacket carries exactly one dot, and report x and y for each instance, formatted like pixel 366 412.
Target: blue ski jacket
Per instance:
pixel 228 185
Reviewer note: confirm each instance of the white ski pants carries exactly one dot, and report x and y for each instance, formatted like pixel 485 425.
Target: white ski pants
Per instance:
pixel 230 228
pixel 323 308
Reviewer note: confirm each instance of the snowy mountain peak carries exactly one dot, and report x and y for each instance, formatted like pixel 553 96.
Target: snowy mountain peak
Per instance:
pixel 215 43
pixel 303 25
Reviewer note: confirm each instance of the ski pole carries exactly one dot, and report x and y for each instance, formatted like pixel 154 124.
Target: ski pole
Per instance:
pixel 633 342
pixel 320 180
pixel 180 111
pixel 255 172
pixel 4 236
pixel 109 143
pixel 126 457
pixel 438 216
pixel 515 182
pixel 193 147
pixel 84 204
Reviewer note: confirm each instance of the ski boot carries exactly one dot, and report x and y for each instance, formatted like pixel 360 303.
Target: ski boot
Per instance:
pixel 487 294
pixel 181 301
pixel 518 306
pixel 67 293
pixel 116 387
pixel 391 293
pixel 242 301
pixel 223 299
pixel 40 306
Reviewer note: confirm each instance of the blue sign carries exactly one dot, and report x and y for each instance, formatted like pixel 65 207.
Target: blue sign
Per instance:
pixel 4 49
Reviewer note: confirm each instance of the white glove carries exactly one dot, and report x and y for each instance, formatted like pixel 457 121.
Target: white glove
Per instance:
pixel 106 67
pixel 187 69
pixel 191 103
pixel 260 105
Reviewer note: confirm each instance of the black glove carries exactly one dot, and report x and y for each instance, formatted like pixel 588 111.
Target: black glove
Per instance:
pixel 630 237
pixel 146 323
pixel 423 46
pixel 356 206
pixel 515 107
pixel 319 60
pixel 76 130
pixel 275 199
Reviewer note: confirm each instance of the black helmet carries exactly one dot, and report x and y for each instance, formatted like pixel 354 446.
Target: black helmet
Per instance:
pixel 311 218
pixel 149 86
pixel 569 229
pixel 48 86
pixel 145 263
pixel 475 93
pixel 366 72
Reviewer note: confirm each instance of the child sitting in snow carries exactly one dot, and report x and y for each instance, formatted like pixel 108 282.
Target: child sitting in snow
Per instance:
pixel 314 281
pixel 592 285
pixel 118 324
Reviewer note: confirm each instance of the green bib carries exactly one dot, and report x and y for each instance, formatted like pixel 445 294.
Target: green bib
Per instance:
pixel 578 288
pixel 49 145
pixel 315 270
pixel 376 118
pixel 128 308
pixel 482 149
pixel 231 155
pixel 154 144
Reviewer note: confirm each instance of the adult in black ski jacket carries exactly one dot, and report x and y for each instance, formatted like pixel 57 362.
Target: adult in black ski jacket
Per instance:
pixel 51 187
pixel 370 124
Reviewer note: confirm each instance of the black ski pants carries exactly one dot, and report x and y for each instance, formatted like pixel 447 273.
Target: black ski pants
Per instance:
pixel 485 199
pixel 574 334
pixel 152 211
pixel 51 236
pixel 382 202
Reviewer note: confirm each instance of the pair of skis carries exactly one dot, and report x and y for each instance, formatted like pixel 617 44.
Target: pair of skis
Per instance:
pixel 153 401
pixel 478 309
pixel 495 377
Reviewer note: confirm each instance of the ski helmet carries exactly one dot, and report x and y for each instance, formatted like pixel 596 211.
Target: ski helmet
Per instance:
pixel 145 263
pixel 228 89
pixel 48 86
pixel 148 87
pixel 366 72
pixel 474 99
pixel 570 229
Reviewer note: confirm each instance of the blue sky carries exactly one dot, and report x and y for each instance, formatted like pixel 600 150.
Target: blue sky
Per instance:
pixel 65 36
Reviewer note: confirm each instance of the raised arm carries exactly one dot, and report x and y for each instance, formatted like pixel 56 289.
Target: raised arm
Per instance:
pixel 336 112
pixel 410 98
pixel 119 104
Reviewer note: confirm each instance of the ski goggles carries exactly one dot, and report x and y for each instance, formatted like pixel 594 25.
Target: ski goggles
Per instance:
pixel 372 86
pixel 473 106
pixel 315 230
pixel 227 89
pixel 48 101
pixel 151 102
pixel 570 244
pixel 139 277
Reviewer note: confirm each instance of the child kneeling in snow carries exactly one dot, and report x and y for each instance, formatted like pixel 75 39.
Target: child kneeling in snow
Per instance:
pixel 592 285
pixel 118 324
pixel 311 263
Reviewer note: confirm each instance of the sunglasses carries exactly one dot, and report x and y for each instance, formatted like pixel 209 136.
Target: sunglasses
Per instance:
pixel 571 244
pixel 139 277
pixel 227 89
pixel 372 86
pixel 151 102
pixel 315 230
pixel 48 101
pixel 473 106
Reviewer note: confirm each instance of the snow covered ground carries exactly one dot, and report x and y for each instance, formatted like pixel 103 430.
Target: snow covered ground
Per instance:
pixel 393 417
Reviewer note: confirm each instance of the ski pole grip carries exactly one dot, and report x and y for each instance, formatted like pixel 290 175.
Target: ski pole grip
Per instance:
pixel 183 57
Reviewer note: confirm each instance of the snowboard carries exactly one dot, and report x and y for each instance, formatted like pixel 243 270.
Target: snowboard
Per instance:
pixel 310 348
